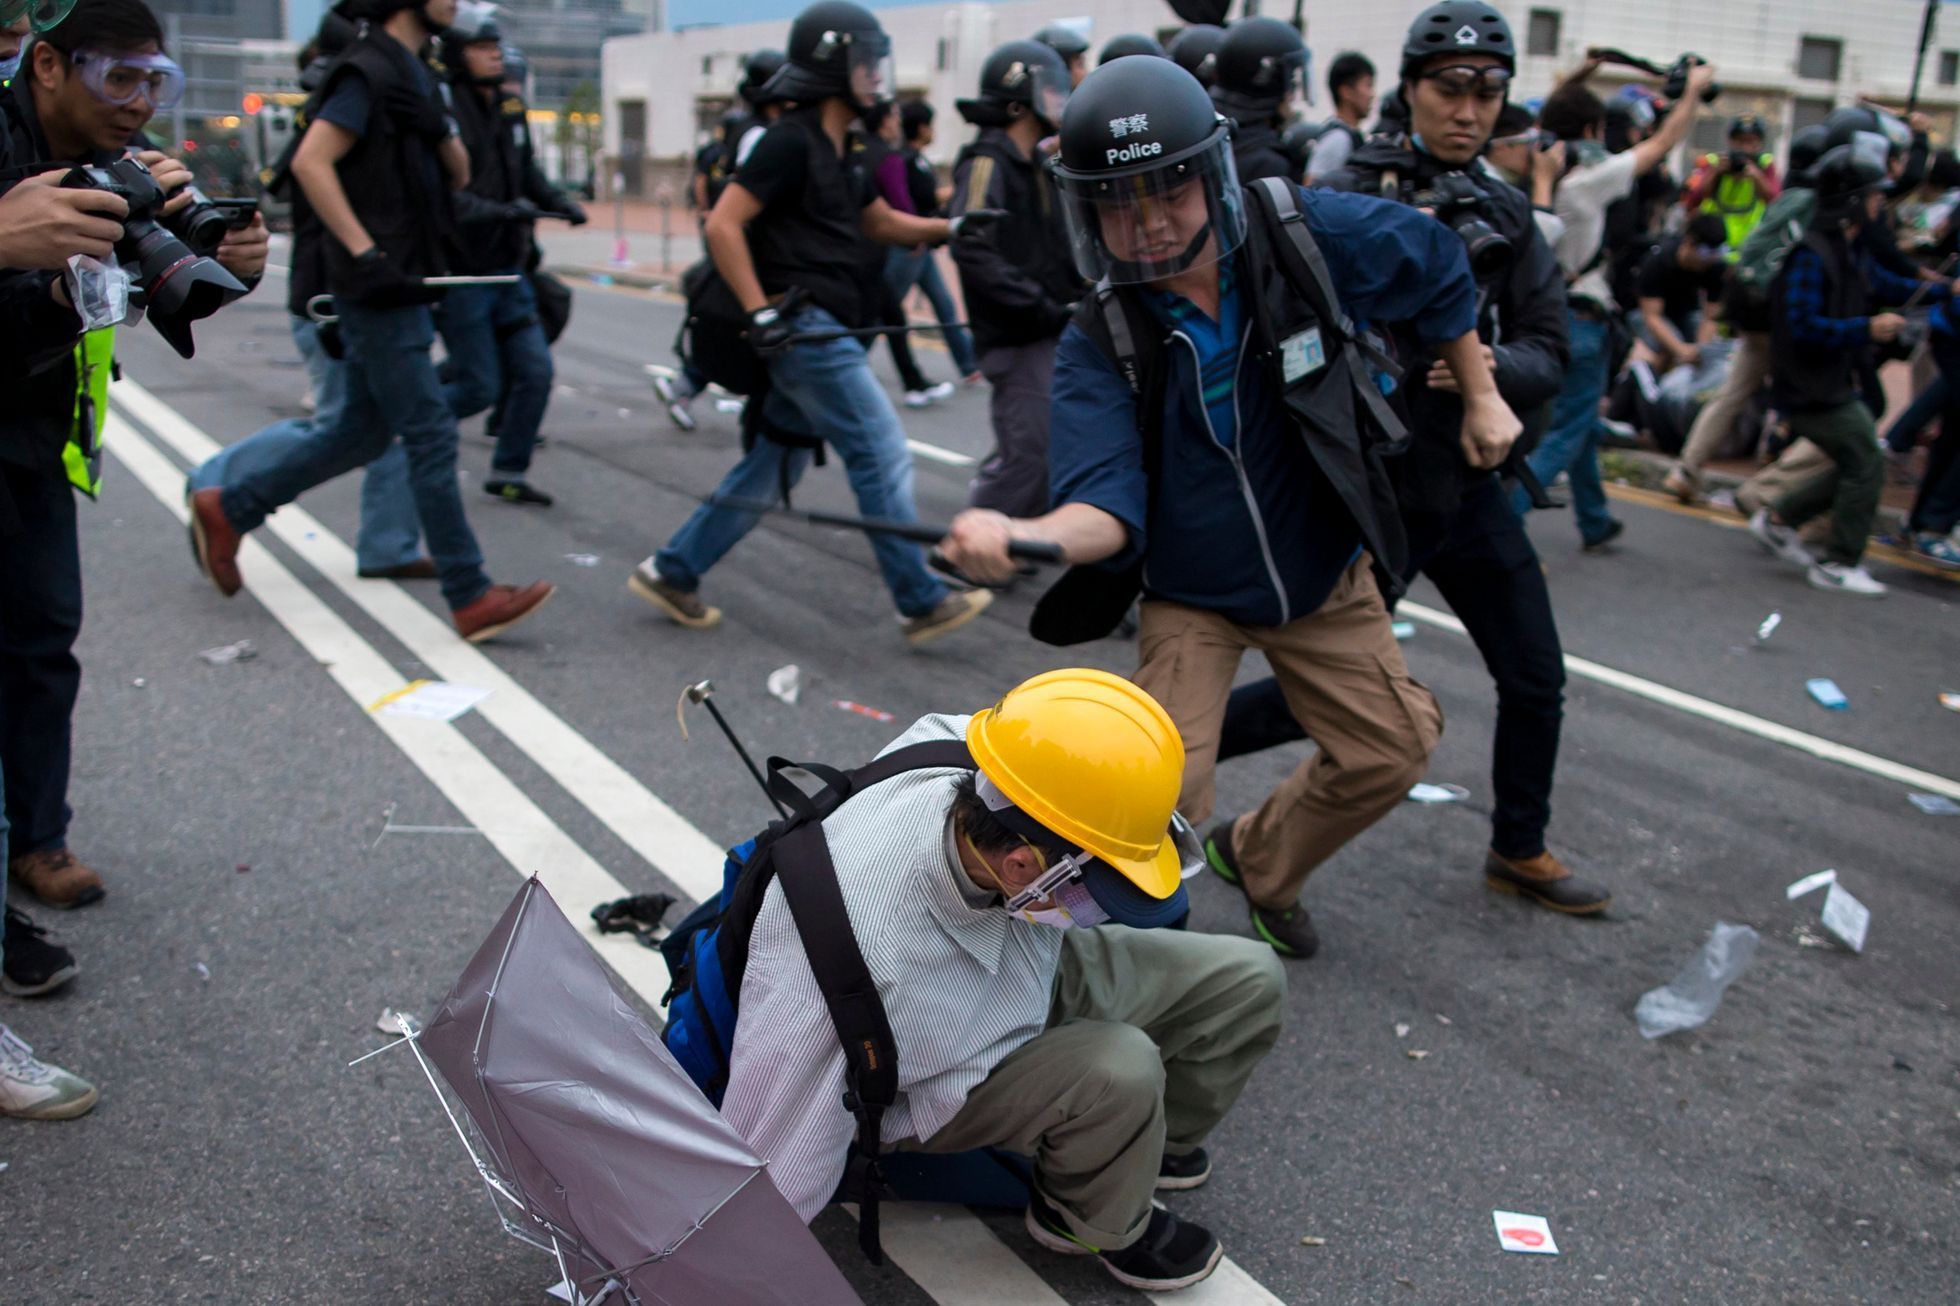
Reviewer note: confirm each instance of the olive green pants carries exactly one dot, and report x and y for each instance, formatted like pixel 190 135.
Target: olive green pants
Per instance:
pixel 1849 490
pixel 1151 1038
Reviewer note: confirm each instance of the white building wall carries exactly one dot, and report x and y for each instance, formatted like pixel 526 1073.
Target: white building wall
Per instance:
pixel 1754 44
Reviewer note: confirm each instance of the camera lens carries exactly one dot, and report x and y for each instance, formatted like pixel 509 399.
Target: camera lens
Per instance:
pixel 201 224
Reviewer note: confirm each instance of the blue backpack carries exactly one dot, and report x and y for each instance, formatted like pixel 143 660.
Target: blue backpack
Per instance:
pixel 708 954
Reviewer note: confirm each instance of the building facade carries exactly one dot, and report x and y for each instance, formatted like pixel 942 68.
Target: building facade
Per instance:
pixel 1789 61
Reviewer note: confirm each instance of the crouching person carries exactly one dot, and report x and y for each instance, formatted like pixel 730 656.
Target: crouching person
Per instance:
pixel 1006 877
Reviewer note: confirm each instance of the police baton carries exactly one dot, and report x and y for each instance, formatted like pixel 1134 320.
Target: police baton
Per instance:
pixel 320 307
pixel 1032 551
pixel 861 333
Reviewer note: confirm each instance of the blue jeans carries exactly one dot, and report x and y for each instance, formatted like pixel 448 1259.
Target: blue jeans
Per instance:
pixel 906 268
pixel 493 337
pixel 825 391
pixel 390 534
pixel 391 390
pixel 1571 444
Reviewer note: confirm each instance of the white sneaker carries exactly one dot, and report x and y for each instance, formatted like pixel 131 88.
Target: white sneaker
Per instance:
pixel 676 398
pixel 35 1090
pixel 929 396
pixel 1846 580
pixel 1780 540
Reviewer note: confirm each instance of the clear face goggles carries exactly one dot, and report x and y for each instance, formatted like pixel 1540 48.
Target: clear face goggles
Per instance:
pixel 1064 871
pixel 117 79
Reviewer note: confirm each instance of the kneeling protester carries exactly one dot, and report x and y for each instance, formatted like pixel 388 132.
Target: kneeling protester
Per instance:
pixel 960 947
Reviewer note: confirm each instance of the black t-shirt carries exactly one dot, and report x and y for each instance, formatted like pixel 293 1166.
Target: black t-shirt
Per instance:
pixel 923 182
pixel 812 203
pixel 1679 289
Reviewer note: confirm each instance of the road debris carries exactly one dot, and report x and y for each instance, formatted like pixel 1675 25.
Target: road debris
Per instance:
pixel 203 971
pixel 1690 998
pixel 1306 1240
pixel 1950 701
pixel 1401 1030
pixel 1810 884
pixel 1417 1054
pixel 242 651
pixel 389 1022
pixel 139 682
pixel 846 705
pixel 1403 629
pixel 1828 695
pixel 1934 804
pixel 1768 628
pixel 786 683
pixel 429 700
pixel 1428 793
pixel 1517 1232
pixel 1441 1019
pixel 639 915
pixel 1846 918
pixel 242 868
pixel 582 559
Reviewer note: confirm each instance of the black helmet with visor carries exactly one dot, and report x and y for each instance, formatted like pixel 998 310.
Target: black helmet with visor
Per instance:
pixel 1146 176
pixel 1195 50
pixel 1031 74
pixel 836 49
pixel 1262 64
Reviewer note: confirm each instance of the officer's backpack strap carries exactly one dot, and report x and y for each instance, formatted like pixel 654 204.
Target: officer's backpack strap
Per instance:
pixel 1308 268
pixel 809 880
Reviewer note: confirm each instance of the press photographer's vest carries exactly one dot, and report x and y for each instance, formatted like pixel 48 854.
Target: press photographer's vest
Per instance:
pixel 1737 200
pixel 81 457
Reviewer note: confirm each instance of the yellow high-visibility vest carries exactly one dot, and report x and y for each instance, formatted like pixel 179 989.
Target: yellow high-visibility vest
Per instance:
pixel 82 456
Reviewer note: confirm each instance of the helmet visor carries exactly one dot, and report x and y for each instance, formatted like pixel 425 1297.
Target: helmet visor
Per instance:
pixel 1134 225
pixel 1050 95
pixel 119 78
pixel 873 79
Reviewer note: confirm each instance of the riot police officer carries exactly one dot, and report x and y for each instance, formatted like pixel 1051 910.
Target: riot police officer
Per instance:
pixel 1462 531
pixel 1130 43
pixel 1216 445
pixel 1068 43
pixel 1195 50
pixel 1262 66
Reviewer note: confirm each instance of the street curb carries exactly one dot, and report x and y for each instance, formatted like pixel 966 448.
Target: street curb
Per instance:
pixel 1646 468
pixel 611 276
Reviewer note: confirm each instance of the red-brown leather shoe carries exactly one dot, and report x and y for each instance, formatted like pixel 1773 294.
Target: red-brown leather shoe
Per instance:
pixel 1545 880
pixel 54 876
pixel 500 608
pixel 216 540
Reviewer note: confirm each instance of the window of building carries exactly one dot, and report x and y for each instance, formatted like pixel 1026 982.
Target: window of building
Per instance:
pixel 1809 113
pixel 944 60
pixel 1949 67
pixel 707 65
pixel 1541 33
pixel 1818 58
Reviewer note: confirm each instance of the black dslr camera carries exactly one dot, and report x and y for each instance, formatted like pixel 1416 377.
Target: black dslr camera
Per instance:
pixel 1676 85
pixel 169 261
pixel 1459 205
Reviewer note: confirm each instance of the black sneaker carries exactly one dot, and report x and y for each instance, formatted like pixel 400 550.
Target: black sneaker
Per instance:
pixel 1289 932
pixel 1189 1170
pixel 35 964
pixel 1172 1253
pixel 1602 542
pixel 517 492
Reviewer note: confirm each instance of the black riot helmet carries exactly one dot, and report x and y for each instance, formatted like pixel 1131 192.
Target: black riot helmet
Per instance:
pixel 1261 65
pixel 1458 27
pixel 474 22
pixel 1127 44
pixel 1145 174
pixel 1029 74
pixel 1195 50
pixel 836 49
pixel 380 11
pixel 1806 147
pixel 1065 41
pixel 758 66
pixel 1842 180
pixel 1876 137
pixel 1298 140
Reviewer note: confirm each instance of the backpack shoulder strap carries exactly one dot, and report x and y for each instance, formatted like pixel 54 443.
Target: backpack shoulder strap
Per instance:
pixel 1280 203
pixel 1129 338
pixel 816 902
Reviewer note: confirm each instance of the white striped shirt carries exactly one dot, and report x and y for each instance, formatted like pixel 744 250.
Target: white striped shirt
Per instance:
pixel 963 985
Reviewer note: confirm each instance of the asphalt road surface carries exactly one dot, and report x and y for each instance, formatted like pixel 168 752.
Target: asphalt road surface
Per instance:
pixel 1800 1147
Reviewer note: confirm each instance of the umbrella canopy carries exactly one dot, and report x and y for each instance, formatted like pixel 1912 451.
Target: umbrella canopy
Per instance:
pixel 620 1164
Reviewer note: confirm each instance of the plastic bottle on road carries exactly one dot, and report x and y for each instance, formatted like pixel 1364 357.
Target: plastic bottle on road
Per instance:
pixel 1692 996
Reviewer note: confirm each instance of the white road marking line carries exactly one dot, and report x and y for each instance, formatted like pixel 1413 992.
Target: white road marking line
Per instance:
pixel 934 454
pixel 515 826
pixel 652 829
pixel 1842 754
pixel 648 826
pixel 958 1261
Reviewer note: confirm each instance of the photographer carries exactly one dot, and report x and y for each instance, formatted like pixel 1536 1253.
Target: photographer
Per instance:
pixel 1738 186
pixel 1821 331
pixel 85 91
pixel 1595 179
pixel 1462 532
pixel 1216 445
pixel 495 339
pixel 1021 286
pixel 375 163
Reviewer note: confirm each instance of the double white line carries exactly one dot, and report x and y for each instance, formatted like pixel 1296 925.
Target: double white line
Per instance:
pixel 947 1251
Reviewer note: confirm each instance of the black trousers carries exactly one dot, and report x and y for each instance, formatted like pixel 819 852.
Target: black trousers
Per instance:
pixel 40 616
pixel 1482 561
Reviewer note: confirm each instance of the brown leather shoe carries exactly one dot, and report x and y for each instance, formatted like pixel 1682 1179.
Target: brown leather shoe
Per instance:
pixel 216 540
pixel 54 876
pixel 500 608
pixel 420 569
pixel 1545 880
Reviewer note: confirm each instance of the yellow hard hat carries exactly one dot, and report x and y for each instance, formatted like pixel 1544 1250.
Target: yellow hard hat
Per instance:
pixel 1094 759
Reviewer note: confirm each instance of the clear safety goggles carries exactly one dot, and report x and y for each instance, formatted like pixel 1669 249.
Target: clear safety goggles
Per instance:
pixel 119 78
pixel 1454 81
pixel 1136 224
pixel 43 14
pixel 1066 870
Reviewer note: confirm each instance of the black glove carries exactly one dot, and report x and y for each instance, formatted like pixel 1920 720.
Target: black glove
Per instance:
pixel 572 211
pixel 973 224
pixel 521 210
pixel 769 330
pixel 377 280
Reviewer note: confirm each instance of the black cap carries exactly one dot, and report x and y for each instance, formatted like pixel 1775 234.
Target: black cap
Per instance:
pixel 1127 44
pixel 1458 27
pixel 1195 50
